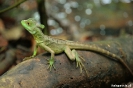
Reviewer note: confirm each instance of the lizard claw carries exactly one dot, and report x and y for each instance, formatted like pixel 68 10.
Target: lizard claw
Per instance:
pixel 51 64
pixel 79 61
pixel 79 64
pixel 27 58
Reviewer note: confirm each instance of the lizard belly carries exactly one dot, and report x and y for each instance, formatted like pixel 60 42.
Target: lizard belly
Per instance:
pixel 57 48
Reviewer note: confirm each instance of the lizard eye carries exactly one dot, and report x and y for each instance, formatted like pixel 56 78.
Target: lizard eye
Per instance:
pixel 28 23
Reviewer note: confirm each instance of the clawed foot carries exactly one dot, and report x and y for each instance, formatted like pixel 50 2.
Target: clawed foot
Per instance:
pixel 27 58
pixel 80 64
pixel 51 63
pixel 79 61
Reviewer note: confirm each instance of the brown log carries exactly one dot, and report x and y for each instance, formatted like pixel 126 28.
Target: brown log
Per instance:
pixel 7 62
pixel 103 71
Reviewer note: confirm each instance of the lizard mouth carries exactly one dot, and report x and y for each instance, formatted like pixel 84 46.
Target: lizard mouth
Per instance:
pixel 23 22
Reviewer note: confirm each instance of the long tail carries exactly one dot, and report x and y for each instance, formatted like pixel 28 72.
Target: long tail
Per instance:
pixel 99 50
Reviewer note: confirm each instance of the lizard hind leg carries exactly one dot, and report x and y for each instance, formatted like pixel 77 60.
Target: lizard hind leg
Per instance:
pixel 73 55
pixel 79 59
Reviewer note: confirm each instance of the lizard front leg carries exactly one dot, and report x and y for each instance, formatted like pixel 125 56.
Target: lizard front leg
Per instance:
pixel 51 60
pixel 34 53
pixel 73 55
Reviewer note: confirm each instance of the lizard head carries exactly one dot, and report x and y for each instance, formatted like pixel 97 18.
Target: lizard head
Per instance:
pixel 31 25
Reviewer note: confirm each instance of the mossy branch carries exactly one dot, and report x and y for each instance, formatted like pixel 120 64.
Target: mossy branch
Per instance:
pixel 11 7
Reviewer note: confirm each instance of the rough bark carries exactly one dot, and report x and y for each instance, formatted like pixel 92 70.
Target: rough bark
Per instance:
pixel 103 71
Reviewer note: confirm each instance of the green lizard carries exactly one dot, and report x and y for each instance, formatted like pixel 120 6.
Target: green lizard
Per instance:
pixel 55 46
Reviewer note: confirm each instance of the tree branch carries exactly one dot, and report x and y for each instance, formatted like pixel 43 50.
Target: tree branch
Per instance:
pixel 11 7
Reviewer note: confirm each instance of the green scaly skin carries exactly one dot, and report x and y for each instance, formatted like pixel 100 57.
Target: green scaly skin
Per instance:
pixel 55 46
